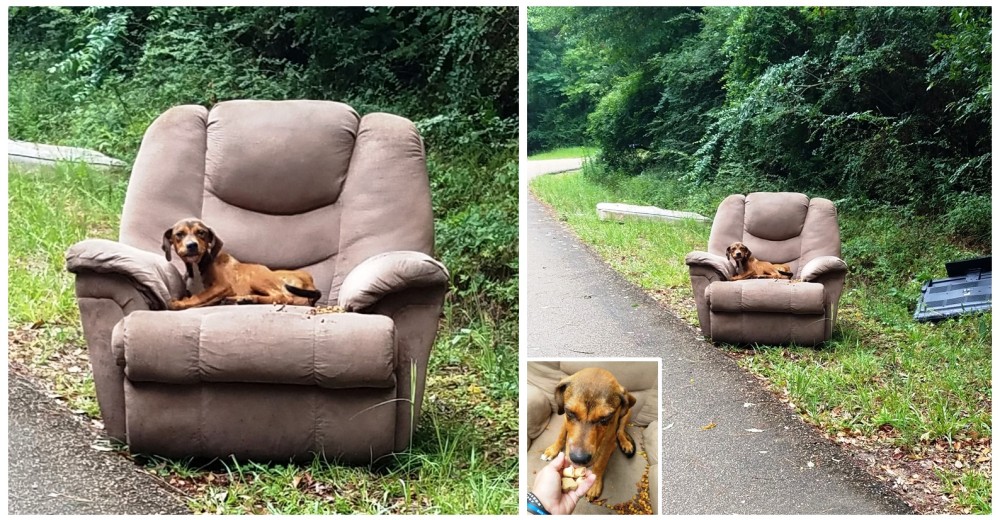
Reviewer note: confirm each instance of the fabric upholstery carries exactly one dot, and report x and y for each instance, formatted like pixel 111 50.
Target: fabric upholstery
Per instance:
pixel 292 185
pixel 387 273
pixel 768 328
pixel 259 422
pixel 266 345
pixel 641 379
pixel 766 296
pixel 784 228
pixel 155 278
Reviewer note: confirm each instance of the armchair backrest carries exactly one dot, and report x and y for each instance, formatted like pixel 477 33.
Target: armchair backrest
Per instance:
pixel 777 227
pixel 288 184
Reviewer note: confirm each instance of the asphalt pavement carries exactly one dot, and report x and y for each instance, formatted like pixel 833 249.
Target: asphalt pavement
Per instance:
pixel 54 470
pixel 729 445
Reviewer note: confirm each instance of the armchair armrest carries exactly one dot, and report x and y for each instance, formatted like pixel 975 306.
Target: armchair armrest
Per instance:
pixel 719 264
pixel 389 273
pixel 820 266
pixel 539 411
pixel 156 279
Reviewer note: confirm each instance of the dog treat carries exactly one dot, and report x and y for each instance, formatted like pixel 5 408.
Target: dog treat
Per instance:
pixel 572 477
pixel 327 309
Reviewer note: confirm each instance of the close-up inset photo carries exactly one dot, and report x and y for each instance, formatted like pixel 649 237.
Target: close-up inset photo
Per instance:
pixel 593 436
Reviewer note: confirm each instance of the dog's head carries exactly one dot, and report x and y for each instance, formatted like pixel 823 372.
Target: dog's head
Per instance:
pixel 738 252
pixel 192 240
pixel 594 403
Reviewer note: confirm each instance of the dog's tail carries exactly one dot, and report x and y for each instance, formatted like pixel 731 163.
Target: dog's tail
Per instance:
pixel 785 274
pixel 313 296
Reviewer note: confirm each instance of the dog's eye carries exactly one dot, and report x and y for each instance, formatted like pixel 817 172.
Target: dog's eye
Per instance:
pixel 604 421
pixel 180 234
pixel 571 416
pixel 200 232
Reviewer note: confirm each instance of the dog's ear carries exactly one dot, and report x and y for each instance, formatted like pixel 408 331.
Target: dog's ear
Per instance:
pixel 167 236
pixel 628 400
pixel 747 249
pixel 561 395
pixel 214 243
pixel 729 252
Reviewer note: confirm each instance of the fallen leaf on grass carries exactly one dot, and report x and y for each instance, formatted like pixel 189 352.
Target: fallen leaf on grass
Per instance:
pixel 709 426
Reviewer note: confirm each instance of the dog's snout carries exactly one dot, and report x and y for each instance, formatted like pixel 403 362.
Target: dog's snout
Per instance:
pixel 191 246
pixel 579 458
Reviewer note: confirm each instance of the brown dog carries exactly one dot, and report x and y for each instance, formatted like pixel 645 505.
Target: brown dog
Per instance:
pixel 748 266
pixel 597 410
pixel 227 280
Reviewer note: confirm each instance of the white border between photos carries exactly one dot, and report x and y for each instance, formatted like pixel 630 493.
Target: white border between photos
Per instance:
pixel 522 235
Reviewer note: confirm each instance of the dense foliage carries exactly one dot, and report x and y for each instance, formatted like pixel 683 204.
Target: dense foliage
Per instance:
pixel 97 76
pixel 877 105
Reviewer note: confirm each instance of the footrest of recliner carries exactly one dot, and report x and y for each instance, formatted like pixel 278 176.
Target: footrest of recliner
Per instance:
pixel 257 344
pixel 777 296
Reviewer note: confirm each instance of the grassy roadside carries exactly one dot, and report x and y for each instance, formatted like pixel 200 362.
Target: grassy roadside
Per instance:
pixel 916 396
pixel 464 457
pixel 564 153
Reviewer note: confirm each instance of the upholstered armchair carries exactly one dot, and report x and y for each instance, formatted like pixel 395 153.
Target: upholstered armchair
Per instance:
pixel 292 185
pixel 785 228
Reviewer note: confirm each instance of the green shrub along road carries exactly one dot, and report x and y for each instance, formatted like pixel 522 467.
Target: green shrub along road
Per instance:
pixel 97 77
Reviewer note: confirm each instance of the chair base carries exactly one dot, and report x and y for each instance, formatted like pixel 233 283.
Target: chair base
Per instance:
pixel 768 328
pixel 261 422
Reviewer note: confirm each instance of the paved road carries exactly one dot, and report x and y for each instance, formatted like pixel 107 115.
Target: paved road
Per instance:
pixel 535 168
pixel 52 468
pixel 579 307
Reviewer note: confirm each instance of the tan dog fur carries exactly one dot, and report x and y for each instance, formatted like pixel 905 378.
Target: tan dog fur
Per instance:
pixel 748 266
pixel 597 411
pixel 227 280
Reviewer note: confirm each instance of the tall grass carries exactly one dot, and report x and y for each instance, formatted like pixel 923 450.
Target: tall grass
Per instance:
pixel 50 210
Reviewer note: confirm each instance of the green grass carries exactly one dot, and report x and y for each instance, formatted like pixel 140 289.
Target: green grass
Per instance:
pixel 464 453
pixel 649 253
pixel 564 153
pixel 50 210
pixel 884 378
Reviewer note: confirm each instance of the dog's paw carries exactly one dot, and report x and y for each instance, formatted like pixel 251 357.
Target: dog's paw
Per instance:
pixel 550 453
pixel 595 491
pixel 175 305
pixel 626 444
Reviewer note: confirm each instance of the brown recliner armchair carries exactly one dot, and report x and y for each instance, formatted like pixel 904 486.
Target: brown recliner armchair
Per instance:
pixel 781 228
pixel 292 185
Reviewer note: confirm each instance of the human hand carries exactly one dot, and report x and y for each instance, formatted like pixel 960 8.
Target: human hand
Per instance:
pixel 548 487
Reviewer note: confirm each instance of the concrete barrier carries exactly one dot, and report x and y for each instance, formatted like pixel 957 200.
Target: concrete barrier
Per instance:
pixel 29 154
pixel 606 210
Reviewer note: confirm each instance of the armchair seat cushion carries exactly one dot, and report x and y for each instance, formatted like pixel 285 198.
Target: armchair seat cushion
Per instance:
pixel 257 344
pixel 775 296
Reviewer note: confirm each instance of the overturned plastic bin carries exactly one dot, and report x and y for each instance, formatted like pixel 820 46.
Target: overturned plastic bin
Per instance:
pixel 967 290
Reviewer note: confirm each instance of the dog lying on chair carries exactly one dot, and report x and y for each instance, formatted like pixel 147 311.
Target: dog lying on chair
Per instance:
pixel 227 280
pixel 748 266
